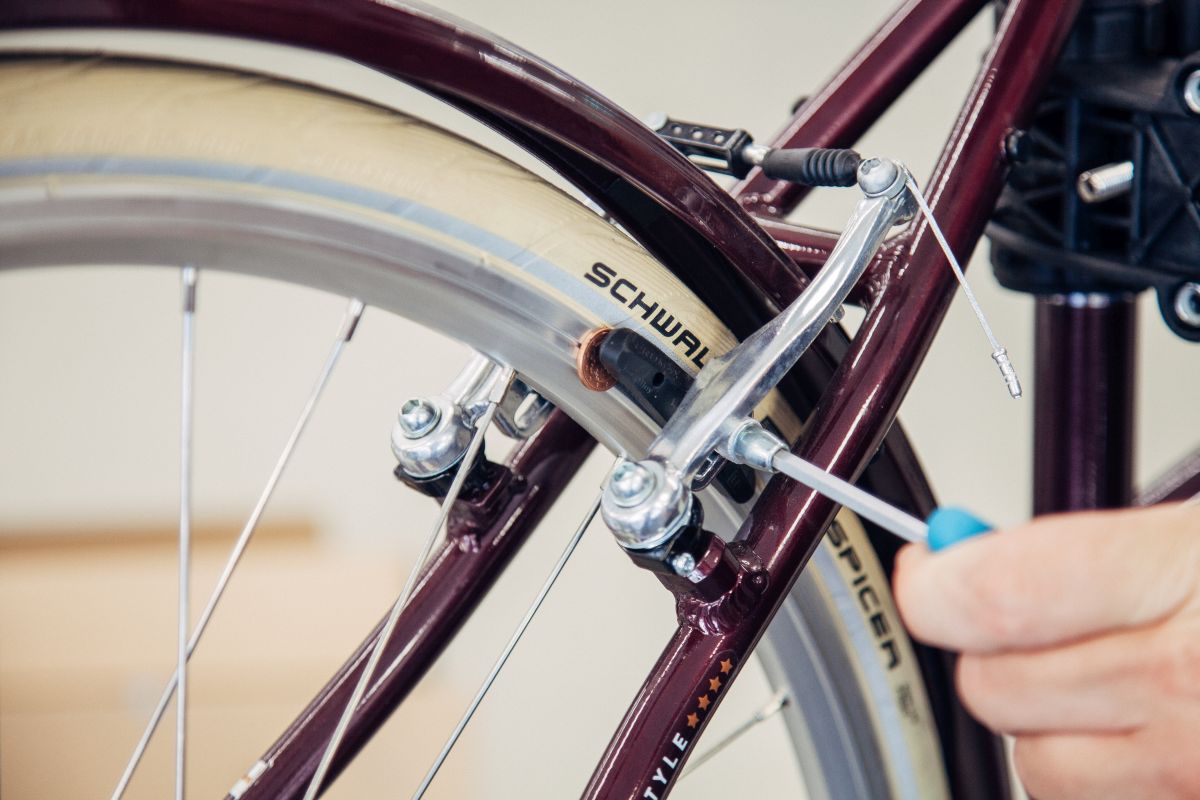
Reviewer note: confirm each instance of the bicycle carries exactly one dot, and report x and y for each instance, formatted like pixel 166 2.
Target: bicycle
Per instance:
pixel 406 239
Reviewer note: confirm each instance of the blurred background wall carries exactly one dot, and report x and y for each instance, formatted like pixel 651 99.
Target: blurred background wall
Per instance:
pixel 88 473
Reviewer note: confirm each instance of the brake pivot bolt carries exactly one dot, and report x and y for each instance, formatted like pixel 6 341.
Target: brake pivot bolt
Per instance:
pixel 631 483
pixel 418 417
pixel 683 564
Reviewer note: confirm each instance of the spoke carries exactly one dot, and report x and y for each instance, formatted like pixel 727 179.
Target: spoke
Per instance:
pixel 773 707
pixel 187 369
pixel 508 649
pixel 497 394
pixel 346 331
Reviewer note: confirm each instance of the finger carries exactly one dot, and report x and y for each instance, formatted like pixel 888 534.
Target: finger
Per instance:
pixel 1066 767
pixel 1052 580
pixel 1107 683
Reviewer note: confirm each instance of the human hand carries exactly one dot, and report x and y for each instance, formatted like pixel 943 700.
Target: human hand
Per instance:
pixel 1080 636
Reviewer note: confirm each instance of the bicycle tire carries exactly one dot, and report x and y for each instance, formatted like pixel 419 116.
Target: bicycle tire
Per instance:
pixel 88 146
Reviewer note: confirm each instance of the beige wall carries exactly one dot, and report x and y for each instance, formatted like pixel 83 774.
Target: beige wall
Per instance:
pixel 89 390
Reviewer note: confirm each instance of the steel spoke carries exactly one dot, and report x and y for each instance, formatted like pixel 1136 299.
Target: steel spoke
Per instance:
pixel 345 332
pixel 187 370
pixel 773 707
pixel 508 649
pixel 485 420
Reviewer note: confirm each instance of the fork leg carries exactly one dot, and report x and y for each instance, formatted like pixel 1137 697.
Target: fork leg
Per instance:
pixel 457 578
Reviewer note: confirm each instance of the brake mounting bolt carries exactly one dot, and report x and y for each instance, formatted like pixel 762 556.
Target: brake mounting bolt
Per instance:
pixel 631 483
pixel 683 564
pixel 418 417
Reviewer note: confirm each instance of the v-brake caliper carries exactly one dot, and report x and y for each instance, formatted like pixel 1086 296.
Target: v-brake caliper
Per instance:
pixel 649 504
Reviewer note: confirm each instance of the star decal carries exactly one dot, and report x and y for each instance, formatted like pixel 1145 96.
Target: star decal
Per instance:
pixel 704 702
pixel 726 666
pixel 693 720
pixel 714 684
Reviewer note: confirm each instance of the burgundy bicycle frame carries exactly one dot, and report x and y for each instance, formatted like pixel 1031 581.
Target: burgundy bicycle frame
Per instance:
pixel 710 240
pixel 861 402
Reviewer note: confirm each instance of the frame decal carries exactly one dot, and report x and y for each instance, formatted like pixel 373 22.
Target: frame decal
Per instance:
pixel 664 323
pixel 673 753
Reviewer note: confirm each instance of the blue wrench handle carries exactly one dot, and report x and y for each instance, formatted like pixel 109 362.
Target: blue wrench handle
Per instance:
pixel 948 526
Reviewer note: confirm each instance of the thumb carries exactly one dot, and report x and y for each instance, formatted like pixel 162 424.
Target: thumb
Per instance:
pixel 1051 580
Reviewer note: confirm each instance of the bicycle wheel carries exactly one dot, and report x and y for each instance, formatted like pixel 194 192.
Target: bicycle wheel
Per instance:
pixel 114 161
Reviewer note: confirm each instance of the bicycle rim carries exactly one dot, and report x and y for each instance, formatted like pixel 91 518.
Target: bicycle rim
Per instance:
pixel 520 296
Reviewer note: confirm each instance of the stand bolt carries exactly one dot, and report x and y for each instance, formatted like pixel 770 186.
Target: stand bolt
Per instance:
pixel 631 483
pixel 1106 182
pixel 1187 304
pixel 1191 91
pixel 418 417
pixel 1017 147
